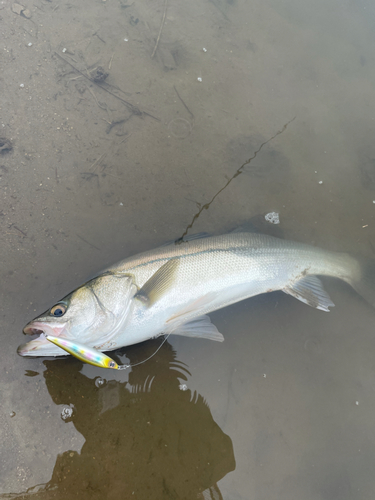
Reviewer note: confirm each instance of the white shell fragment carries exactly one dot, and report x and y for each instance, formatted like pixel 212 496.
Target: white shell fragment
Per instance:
pixel 204 49
pixel 66 412
pixel 272 218
pixel 320 182
pixel 199 79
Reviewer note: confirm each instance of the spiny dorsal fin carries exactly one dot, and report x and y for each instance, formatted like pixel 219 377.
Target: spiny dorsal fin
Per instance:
pixel 156 286
pixel 310 291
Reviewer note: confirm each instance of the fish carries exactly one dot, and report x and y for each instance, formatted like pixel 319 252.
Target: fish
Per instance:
pixel 173 289
pixel 84 353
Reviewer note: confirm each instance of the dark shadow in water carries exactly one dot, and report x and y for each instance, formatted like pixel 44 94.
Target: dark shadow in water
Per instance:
pixel 146 436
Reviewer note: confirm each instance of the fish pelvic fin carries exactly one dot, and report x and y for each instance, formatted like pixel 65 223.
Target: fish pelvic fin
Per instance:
pixel 200 327
pixel 310 291
pixel 159 283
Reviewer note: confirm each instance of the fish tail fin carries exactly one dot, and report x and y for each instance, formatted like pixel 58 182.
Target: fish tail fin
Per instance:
pixel 363 279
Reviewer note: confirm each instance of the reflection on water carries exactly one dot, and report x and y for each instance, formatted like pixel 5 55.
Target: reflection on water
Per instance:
pixel 149 436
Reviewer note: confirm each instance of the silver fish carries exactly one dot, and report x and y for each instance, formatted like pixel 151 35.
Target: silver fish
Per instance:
pixel 172 289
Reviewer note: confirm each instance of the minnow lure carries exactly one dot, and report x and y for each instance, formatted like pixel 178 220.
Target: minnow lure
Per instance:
pixel 84 353
pixel 93 356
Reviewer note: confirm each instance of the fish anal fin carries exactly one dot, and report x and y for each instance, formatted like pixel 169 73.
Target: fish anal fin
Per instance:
pixel 159 283
pixel 200 327
pixel 310 290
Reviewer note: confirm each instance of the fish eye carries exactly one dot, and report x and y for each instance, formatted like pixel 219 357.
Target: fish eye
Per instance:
pixel 58 310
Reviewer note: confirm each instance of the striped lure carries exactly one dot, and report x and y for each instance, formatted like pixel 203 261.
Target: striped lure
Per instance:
pixel 84 353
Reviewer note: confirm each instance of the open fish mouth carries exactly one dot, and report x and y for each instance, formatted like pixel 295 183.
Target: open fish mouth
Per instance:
pixel 40 346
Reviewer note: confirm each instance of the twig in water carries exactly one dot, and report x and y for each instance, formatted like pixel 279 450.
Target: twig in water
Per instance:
pixel 133 108
pixel 110 62
pixel 239 171
pixel 187 109
pixel 96 162
pixel 161 28
pixel 88 243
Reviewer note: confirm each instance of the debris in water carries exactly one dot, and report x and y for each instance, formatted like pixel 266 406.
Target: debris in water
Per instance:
pixel 66 412
pixel 99 382
pixel 21 10
pixel 272 218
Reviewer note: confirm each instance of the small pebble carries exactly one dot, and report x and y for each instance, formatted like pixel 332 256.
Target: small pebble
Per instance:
pixel 264 375
pixel 126 39
pixel 373 201
pixel 204 49
pixel 121 204
pixel 320 182
pixel 64 50
pixel 22 86
pixel 199 79
pixel 357 403
pixel 29 44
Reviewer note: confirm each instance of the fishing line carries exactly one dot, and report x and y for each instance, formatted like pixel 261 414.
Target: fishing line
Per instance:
pixel 124 367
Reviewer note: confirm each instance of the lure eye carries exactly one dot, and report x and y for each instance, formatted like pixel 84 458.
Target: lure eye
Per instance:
pixel 112 364
pixel 58 310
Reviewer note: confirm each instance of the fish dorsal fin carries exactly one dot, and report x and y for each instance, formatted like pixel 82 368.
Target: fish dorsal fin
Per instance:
pixel 310 291
pixel 159 283
pixel 200 327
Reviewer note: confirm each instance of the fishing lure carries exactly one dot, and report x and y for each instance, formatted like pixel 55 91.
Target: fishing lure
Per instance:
pixel 93 356
pixel 84 353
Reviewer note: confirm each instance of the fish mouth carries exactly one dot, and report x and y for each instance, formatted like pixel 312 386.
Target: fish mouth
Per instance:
pixel 40 346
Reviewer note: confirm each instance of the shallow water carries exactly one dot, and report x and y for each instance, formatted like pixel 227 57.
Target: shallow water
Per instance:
pixel 284 408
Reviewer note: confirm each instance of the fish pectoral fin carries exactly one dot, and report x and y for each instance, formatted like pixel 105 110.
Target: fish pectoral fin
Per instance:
pixel 200 327
pixel 310 291
pixel 159 283
pixel 194 307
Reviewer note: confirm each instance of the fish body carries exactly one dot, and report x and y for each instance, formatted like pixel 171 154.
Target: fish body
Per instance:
pixel 172 289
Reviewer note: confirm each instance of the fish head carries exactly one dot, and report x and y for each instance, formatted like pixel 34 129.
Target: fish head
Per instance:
pixel 93 314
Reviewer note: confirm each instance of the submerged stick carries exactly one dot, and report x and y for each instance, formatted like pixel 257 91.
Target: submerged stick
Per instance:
pixel 161 28
pixel 239 171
